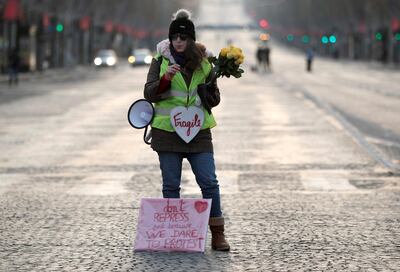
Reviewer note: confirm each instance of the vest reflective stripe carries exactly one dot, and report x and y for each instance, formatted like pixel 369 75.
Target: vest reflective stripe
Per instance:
pixel 162 111
pixel 181 95
pixel 171 93
pixel 159 111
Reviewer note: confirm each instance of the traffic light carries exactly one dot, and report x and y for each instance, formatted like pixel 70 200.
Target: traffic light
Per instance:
pixel 290 37
pixel 263 23
pixel 305 39
pixel 325 39
pixel 264 37
pixel 378 36
pixel 397 36
pixel 59 27
pixel 332 39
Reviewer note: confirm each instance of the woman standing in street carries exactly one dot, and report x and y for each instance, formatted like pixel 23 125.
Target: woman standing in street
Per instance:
pixel 177 78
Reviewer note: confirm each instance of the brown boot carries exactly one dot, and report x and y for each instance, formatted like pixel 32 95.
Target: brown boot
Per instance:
pixel 218 241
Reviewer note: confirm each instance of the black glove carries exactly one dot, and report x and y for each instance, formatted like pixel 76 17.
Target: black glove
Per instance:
pixel 203 90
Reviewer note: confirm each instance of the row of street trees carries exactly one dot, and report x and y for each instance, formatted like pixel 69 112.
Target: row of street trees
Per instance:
pixel 49 33
pixel 356 29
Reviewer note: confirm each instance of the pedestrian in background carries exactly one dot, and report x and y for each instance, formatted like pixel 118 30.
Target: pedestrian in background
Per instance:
pixel 263 52
pixel 309 58
pixel 180 70
pixel 13 67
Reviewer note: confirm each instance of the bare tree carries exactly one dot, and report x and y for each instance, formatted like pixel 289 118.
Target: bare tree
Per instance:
pixel 354 21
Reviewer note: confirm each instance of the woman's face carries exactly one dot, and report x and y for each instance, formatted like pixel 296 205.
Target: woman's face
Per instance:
pixel 179 42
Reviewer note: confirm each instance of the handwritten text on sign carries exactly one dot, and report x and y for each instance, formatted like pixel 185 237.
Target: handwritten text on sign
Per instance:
pixel 187 122
pixel 169 224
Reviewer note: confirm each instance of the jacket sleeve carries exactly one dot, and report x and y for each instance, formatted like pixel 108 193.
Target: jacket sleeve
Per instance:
pixel 213 95
pixel 152 88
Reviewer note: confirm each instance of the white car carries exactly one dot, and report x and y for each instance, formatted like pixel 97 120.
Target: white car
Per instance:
pixel 106 57
pixel 140 56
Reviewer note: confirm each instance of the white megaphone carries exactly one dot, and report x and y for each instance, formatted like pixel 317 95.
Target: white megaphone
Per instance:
pixel 140 115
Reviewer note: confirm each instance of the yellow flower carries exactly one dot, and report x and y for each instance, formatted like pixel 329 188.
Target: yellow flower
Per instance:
pixel 224 52
pixel 239 61
pixel 230 55
pixel 236 53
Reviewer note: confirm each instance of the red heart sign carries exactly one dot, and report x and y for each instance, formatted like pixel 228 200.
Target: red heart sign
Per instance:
pixel 200 206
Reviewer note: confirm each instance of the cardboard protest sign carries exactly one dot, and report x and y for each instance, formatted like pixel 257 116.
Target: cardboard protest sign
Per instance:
pixel 172 224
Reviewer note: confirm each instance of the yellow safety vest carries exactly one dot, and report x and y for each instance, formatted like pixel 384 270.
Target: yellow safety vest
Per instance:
pixel 181 95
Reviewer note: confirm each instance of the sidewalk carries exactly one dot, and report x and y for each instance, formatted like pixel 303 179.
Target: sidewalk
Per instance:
pixel 62 73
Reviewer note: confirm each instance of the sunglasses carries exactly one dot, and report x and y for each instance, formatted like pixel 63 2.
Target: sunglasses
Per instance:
pixel 183 37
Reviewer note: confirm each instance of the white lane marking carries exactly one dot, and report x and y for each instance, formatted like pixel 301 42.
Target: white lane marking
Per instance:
pixel 101 184
pixel 382 142
pixel 9 182
pixel 326 182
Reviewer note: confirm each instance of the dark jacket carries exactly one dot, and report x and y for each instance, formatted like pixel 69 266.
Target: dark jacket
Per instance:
pixel 14 60
pixel 164 141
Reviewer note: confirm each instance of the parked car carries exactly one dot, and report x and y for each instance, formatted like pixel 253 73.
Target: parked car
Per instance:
pixel 106 57
pixel 140 56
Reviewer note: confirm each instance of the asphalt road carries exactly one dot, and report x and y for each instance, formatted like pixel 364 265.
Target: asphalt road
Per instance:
pixel 298 191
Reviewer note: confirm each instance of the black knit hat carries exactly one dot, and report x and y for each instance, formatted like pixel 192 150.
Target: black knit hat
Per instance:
pixel 182 25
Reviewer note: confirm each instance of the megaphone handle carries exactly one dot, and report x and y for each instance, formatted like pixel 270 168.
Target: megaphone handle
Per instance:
pixel 146 138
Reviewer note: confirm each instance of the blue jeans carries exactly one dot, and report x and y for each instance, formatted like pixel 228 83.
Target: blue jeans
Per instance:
pixel 203 167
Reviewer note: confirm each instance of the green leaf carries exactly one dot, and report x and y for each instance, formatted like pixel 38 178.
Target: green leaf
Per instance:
pixel 212 59
pixel 237 74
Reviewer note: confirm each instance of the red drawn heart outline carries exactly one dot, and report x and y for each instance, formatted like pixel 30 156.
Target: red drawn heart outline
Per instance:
pixel 200 206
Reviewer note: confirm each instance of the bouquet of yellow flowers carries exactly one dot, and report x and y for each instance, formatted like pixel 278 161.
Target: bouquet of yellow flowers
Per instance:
pixel 228 62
